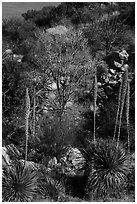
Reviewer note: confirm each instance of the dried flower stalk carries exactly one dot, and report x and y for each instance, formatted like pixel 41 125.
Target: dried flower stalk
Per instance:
pixel 95 102
pixel 123 95
pixel 34 114
pixel 27 121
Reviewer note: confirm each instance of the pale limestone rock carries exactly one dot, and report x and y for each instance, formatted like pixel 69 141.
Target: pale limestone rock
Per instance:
pixel 58 30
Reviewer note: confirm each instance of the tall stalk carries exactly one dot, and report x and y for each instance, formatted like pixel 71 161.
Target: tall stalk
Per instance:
pixel 127 113
pixel 118 109
pixel 123 95
pixel 95 102
pixel 27 121
pixel 34 113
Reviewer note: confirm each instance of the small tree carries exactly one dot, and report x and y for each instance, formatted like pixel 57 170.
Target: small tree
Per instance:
pixel 106 34
pixel 67 62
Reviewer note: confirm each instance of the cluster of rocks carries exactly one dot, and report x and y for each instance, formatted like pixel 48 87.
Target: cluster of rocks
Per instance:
pixel 9 54
pixel 70 163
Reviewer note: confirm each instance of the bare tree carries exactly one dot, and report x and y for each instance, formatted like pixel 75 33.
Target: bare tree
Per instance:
pixel 65 59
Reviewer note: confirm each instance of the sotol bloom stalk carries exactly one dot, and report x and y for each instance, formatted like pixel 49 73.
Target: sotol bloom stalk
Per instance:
pixel 27 121
pixel 123 95
pixel 95 101
pixel 34 114
pixel 118 109
pixel 127 113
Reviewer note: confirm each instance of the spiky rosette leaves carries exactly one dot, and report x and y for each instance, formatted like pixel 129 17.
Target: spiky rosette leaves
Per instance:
pixel 50 188
pixel 18 183
pixel 107 167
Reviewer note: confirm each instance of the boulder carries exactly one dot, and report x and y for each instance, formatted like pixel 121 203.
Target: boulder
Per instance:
pixel 5 157
pixel 31 165
pixel 9 152
pixel 8 51
pixel 75 157
pixel 116 60
pixel 52 163
pixel 58 30
pixel 72 162
pixel 69 104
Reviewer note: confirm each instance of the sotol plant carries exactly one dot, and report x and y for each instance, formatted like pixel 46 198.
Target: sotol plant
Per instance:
pixel 106 169
pixel 19 183
pixel 50 188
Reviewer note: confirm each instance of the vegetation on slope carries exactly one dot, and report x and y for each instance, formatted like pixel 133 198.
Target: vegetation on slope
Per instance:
pixel 68 78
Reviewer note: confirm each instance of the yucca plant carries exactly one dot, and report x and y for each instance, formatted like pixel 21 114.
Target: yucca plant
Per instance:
pixel 19 183
pixel 106 169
